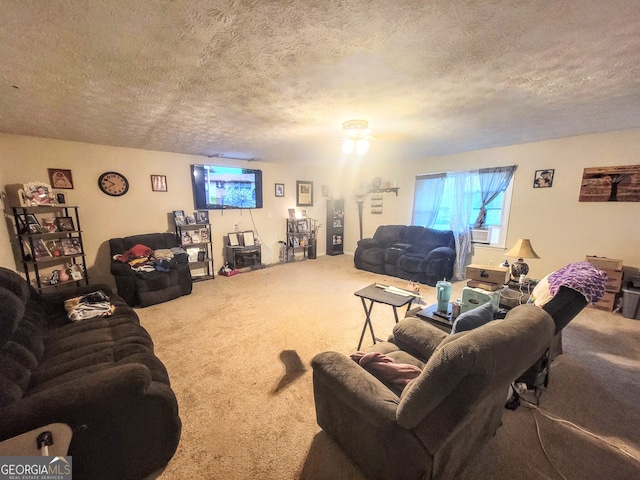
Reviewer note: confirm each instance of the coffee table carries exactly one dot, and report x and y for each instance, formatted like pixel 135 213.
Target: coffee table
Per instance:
pixel 377 294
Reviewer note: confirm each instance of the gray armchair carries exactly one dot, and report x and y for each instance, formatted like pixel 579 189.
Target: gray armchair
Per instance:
pixel 432 427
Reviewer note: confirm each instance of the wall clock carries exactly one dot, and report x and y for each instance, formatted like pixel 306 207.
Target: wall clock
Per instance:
pixel 113 183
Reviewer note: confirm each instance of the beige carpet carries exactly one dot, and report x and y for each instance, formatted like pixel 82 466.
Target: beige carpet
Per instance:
pixel 238 352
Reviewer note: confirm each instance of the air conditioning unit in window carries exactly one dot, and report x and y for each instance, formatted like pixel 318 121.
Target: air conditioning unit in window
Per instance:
pixel 485 235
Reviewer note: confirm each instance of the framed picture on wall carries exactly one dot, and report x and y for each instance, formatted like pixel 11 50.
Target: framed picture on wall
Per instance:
pixel 60 178
pixel 158 183
pixel 304 194
pixel 543 178
pixel 279 189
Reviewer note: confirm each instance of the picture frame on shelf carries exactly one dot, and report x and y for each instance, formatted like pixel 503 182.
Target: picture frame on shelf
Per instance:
pixel 248 239
pixel 159 183
pixel 193 253
pixel 60 198
pixel 29 223
pixel 179 218
pixel 191 220
pixel 71 246
pixel 202 217
pixel 202 255
pixel 60 178
pixel 204 235
pixel 185 239
pixel 40 250
pixel 279 187
pixel 54 247
pixel 65 224
pixel 233 240
pixel 38 193
pixel 304 193
pixel 195 237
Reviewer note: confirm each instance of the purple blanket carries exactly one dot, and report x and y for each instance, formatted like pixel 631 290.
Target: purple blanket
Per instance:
pixel 582 277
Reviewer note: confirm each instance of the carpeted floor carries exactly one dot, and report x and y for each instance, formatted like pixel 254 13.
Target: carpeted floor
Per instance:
pixel 238 351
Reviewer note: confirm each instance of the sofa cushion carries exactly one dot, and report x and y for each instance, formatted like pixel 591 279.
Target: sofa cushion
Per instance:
pixel 413 262
pixel 432 239
pixel 387 235
pixel 413 235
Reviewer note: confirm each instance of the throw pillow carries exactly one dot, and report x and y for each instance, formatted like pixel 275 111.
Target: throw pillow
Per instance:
pixel 473 318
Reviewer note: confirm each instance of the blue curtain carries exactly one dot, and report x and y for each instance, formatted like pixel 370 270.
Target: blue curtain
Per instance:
pixel 492 182
pixel 463 202
pixel 427 199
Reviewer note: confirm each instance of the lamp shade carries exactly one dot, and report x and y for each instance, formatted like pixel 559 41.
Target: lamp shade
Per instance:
pixel 522 249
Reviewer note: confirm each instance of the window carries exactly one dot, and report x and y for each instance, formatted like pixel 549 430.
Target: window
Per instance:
pixel 437 198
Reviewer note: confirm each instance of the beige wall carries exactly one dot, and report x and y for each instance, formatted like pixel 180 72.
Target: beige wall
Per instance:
pixel 561 228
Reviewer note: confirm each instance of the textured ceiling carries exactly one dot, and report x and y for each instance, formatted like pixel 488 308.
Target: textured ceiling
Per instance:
pixel 274 80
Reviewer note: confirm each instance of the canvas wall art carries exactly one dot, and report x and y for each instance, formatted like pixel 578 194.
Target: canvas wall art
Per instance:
pixel 611 184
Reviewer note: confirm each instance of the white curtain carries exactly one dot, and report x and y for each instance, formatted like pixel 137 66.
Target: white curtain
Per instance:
pixel 427 199
pixel 460 216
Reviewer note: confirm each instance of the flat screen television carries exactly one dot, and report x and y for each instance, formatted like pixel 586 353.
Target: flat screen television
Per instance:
pixel 217 187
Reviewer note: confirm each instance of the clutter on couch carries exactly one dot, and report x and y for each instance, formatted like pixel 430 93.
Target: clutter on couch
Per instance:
pixel 98 374
pixel 150 268
pixel 410 252
pixel 433 426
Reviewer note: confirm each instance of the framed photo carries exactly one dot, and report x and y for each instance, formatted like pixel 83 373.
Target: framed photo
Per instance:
pixel 279 189
pixel 202 217
pixel 38 193
pixel 65 224
pixel 204 235
pixel 191 220
pixel 159 183
pixel 29 224
pixel 60 198
pixel 49 225
pixel 179 218
pixel 248 239
pixel 543 178
pixel 195 237
pixel 304 193
pixel 40 250
pixel 71 246
pixel 233 240
pixel 185 239
pixel 193 253
pixel 60 178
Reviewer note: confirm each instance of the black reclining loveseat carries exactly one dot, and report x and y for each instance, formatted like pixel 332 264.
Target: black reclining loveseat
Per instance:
pixel 410 252
pixel 145 288
pixel 98 375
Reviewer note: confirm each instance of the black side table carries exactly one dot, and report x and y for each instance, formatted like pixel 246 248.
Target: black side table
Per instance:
pixel 376 294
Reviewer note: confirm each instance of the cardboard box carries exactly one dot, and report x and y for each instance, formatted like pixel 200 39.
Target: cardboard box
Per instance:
pixel 604 263
pixel 608 302
pixel 487 273
pixel 614 280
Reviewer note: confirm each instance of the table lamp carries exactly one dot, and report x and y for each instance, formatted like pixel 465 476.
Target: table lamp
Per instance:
pixel 521 250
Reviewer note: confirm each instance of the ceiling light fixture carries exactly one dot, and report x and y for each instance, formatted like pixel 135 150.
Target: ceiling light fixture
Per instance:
pixel 357 137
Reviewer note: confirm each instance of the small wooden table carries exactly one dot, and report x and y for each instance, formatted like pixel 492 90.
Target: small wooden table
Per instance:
pixel 376 294
pixel 429 315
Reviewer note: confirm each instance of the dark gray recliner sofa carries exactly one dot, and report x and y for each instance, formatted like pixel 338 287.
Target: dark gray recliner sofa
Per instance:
pixel 149 288
pixel 410 252
pixel 100 376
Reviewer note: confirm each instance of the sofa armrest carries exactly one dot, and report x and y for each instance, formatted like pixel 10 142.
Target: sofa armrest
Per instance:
pixel 441 252
pixel 417 337
pixel 72 401
pixel 368 243
pixel 356 387
pixel 121 268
